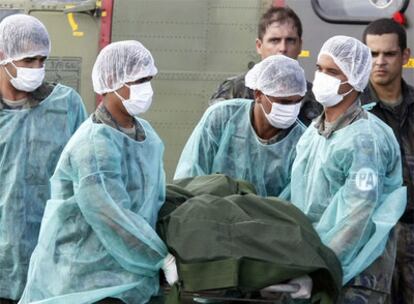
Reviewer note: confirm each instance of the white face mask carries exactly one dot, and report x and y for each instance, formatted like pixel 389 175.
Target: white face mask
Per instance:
pixel 27 79
pixel 140 98
pixel 282 116
pixel 325 88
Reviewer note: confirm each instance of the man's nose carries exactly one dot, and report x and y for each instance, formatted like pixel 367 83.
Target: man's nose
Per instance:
pixel 380 60
pixel 283 47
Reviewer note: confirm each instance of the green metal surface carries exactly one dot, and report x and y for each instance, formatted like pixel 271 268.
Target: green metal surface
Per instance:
pixel 196 45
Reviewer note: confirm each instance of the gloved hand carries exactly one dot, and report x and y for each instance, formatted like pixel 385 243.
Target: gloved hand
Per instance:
pixel 273 291
pixel 170 269
pixel 305 287
pixel 299 288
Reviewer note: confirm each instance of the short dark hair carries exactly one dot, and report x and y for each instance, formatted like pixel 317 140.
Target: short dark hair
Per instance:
pixel 278 14
pixel 386 26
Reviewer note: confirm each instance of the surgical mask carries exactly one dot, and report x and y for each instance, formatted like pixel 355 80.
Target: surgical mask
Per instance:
pixel 282 116
pixel 325 88
pixel 27 79
pixel 140 98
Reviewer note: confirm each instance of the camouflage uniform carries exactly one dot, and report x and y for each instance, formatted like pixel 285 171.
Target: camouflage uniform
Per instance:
pixel 403 280
pixel 401 119
pixel 234 87
pixel 373 285
pixel 102 115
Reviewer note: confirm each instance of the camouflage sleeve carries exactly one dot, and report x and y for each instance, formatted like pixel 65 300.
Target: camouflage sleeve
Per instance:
pixel 232 88
pixel 224 91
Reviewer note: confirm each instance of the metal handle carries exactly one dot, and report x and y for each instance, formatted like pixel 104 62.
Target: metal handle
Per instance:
pixel 84 7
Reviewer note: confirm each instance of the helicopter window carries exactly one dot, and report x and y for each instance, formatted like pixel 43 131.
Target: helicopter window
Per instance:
pixel 357 11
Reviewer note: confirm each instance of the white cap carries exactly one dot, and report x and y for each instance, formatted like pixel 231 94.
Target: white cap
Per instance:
pixel 352 57
pixel 277 76
pixel 119 63
pixel 22 36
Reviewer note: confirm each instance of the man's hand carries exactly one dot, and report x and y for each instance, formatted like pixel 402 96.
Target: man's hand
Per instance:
pixel 299 288
pixel 170 269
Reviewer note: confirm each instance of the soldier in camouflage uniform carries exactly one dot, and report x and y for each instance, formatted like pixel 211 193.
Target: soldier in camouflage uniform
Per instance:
pixel 394 100
pixel 280 32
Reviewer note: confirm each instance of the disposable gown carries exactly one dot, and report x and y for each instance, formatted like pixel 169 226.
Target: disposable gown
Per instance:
pixel 224 141
pixel 97 238
pixel 350 187
pixel 31 141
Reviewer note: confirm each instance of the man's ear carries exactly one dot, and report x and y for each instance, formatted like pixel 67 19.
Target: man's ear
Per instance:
pixel 258 96
pixel 259 46
pixel 406 55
